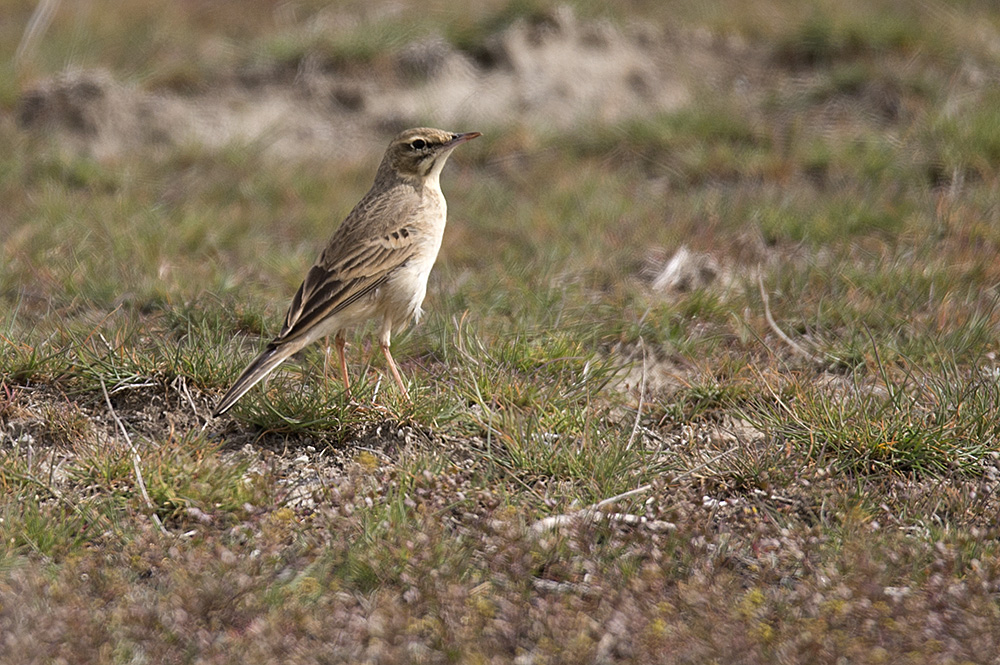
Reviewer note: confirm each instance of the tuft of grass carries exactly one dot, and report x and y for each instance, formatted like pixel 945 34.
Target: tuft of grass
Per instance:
pixel 186 472
pixel 914 424
pixel 707 397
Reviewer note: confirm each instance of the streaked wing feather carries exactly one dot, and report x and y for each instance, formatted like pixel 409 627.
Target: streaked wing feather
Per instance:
pixel 342 296
pixel 351 267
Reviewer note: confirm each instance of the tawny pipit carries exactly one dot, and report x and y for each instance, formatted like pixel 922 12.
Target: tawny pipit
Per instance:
pixel 377 262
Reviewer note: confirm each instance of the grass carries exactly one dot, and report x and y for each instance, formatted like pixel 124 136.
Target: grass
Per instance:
pixel 913 425
pixel 832 505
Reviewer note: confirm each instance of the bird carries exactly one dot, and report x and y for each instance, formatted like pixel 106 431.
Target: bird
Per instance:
pixel 375 265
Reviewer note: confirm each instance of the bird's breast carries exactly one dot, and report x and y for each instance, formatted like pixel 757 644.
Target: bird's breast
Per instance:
pixel 403 293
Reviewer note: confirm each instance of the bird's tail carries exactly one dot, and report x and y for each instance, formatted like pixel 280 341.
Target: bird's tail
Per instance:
pixel 264 364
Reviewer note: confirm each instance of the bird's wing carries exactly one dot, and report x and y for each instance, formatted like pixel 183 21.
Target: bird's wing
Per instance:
pixel 376 238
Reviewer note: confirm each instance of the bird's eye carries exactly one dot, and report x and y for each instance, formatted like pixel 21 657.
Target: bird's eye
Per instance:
pixel 418 144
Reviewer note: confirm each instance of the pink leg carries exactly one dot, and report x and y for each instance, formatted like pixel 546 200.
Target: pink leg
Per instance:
pixel 341 343
pixel 394 370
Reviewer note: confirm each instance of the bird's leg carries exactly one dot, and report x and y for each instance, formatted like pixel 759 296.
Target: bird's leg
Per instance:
pixel 394 370
pixel 341 342
pixel 383 340
pixel 326 358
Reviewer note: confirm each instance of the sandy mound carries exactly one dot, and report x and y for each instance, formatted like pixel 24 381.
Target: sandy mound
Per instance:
pixel 553 71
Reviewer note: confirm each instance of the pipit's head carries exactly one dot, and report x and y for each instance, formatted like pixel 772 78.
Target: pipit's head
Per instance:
pixel 419 154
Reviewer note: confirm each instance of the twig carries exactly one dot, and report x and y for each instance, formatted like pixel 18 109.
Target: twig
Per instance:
pixel 552 586
pixel 37 25
pixel 135 461
pixel 182 388
pixel 778 331
pixel 460 339
pixel 624 495
pixel 556 521
pixel 642 395
pixel 593 512
pixel 132 386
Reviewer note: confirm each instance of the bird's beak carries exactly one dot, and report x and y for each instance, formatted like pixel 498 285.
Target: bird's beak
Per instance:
pixel 462 138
